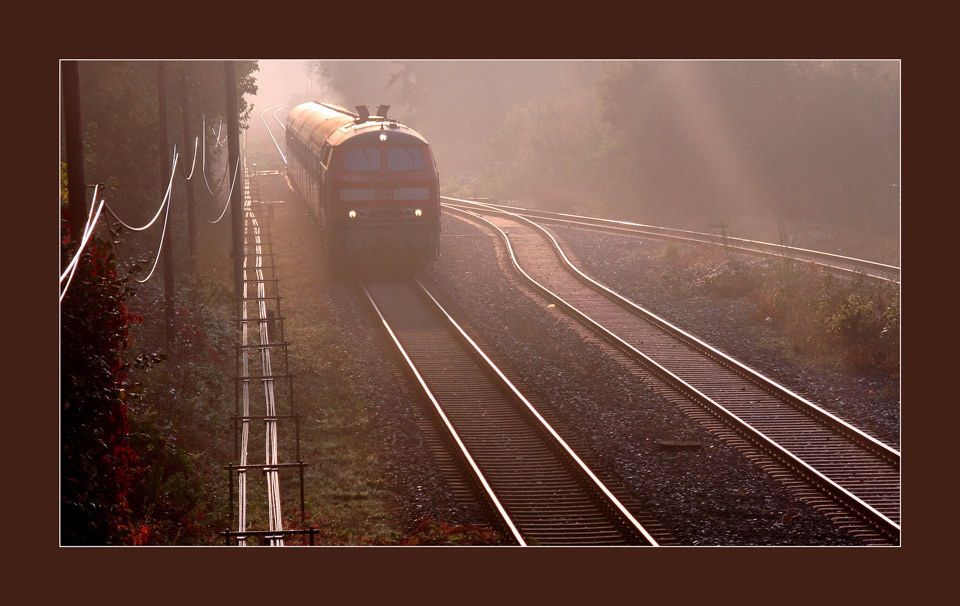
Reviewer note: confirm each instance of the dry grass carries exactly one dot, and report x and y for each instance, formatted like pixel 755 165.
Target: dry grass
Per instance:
pixel 831 321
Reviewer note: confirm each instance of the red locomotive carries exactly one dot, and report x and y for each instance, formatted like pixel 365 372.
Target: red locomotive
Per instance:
pixel 371 181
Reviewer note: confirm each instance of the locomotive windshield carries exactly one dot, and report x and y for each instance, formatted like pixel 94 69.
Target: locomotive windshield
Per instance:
pixel 365 158
pixel 398 158
pixel 404 158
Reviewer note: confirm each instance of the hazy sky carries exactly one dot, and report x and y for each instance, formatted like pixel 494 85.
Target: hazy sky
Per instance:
pixel 277 80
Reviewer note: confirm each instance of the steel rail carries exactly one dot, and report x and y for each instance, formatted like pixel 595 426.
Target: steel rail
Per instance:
pixel 772 386
pixel 756 247
pixel 282 125
pixel 270 132
pixel 446 421
pixel 553 433
pixel 841 494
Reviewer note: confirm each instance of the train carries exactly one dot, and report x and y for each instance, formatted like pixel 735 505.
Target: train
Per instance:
pixel 371 181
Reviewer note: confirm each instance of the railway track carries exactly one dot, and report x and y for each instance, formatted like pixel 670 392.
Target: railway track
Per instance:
pixel 538 486
pixel 855 478
pixel 836 263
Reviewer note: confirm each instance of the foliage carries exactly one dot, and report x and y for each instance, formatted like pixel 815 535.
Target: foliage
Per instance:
pixel 676 142
pixel 799 140
pixel 135 435
pixel 180 424
pixel 696 143
pixel 98 466
pixel 732 279
pixel 431 532
pixel 836 320
pixel 120 113
pixel 454 104
pixel 134 432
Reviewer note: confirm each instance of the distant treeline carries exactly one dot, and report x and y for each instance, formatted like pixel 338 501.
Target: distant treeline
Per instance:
pixel 694 143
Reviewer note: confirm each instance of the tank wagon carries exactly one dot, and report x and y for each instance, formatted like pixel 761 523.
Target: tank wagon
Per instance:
pixel 371 181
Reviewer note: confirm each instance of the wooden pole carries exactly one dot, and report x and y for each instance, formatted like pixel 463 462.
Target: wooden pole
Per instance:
pixel 188 152
pixel 233 148
pixel 76 193
pixel 168 285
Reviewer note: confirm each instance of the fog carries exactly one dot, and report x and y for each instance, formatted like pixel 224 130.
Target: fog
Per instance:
pixel 744 146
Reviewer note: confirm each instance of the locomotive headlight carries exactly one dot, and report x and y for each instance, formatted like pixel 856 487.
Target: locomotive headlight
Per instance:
pixel 383 137
pixel 418 212
pixel 352 214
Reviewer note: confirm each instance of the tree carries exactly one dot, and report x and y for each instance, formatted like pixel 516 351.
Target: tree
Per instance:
pixel 97 464
pixel 110 477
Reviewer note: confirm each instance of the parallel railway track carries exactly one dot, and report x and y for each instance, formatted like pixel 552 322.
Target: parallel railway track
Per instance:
pixel 541 489
pixel 856 476
pixel 833 262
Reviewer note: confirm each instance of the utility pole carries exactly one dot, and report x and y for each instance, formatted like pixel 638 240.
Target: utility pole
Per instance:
pixel 168 287
pixel 233 149
pixel 187 129
pixel 76 193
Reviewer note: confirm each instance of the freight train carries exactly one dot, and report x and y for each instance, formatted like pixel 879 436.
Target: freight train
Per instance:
pixel 371 181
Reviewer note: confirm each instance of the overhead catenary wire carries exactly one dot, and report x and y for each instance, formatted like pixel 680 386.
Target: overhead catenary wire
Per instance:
pixel 219 128
pixel 166 198
pixel 203 161
pixel 193 165
pixel 92 218
pixel 160 246
pixel 86 230
pixel 166 218
pixel 229 197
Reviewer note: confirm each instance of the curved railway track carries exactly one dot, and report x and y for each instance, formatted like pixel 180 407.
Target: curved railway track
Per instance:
pixel 857 477
pixel 541 489
pixel 836 263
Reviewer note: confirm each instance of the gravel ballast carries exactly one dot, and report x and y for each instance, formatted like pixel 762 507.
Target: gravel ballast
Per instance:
pixel 634 267
pixel 705 495
pixel 708 494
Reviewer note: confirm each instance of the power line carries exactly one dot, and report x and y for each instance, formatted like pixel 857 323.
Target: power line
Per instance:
pixel 87 233
pixel 229 196
pixel 166 198
pixel 193 166
pixel 203 165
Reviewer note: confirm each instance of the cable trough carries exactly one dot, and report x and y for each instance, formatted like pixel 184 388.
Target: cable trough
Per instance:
pixel 258 379
pixel 539 488
pixel 851 476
